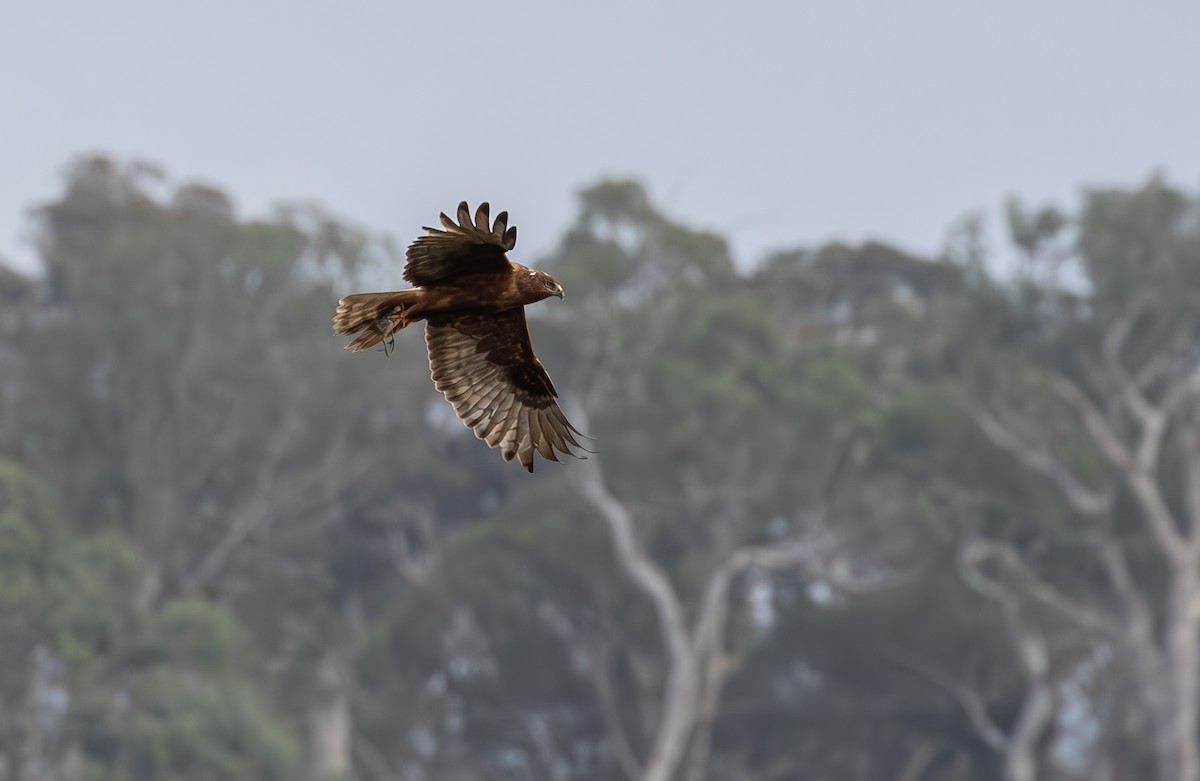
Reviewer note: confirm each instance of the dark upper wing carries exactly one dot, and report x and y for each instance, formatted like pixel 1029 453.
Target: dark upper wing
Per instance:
pixel 485 366
pixel 464 247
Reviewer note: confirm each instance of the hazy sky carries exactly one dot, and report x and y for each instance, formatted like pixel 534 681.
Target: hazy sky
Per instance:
pixel 775 123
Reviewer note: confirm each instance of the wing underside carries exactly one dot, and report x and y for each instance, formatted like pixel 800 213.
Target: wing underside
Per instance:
pixel 486 368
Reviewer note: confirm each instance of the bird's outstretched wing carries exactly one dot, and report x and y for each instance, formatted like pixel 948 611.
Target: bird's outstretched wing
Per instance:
pixel 485 366
pixel 458 249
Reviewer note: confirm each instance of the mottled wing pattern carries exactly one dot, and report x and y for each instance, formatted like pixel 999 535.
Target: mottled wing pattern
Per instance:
pixel 486 368
pixel 465 247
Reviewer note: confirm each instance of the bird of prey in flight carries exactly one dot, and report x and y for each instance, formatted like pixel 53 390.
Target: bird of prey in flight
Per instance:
pixel 472 299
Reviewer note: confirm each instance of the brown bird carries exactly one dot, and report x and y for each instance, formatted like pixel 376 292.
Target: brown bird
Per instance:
pixel 472 298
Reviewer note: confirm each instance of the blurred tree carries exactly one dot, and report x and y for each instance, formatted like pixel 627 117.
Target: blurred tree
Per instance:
pixel 180 385
pixel 30 562
pixel 692 391
pixel 856 514
pixel 1088 377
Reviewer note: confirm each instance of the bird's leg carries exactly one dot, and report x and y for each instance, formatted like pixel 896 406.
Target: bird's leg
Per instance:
pixel 400 317
pixel 388 326
pixel 383 327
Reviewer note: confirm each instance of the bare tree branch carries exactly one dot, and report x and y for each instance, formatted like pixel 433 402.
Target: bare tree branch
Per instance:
pixel 697 664
pixel 1180 390
pixel 967 697
pixel 709 641
pixel 919 762
pixel 1083 500
pixel 1189 438
pixel 977 551
pixel 599 651
pixel 681 694
pixel 1138 617
pixel 1152 418
pixel 1113 343
pixel 1037 709
pixel 268 500
pixel 610 717
pixel 1157 514
pixel 645 574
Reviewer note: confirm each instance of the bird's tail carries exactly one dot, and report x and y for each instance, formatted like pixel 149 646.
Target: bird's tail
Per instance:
pixel 377 315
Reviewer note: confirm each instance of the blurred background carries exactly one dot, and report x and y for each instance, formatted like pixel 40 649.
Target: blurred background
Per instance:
pixel 885 320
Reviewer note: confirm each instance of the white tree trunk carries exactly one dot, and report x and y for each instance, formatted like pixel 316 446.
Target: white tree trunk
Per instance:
pixel 695 667
pixel 330 723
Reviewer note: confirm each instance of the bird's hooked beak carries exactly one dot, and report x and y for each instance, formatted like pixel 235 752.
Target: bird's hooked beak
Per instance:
pixel 559 293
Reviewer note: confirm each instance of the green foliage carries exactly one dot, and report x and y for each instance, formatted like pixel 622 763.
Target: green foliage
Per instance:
pixel 184 728
pixel 29 533
pixel 1131 241
pixel 615 201
pixel 98 597
pixel 489 626
pixel 1031 232
pixel 197 634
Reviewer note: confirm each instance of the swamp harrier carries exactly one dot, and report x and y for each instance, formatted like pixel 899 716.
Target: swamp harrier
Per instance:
pixel 472 298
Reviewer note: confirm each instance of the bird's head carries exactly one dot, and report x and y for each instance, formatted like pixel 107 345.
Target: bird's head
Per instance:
pixel 551 285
